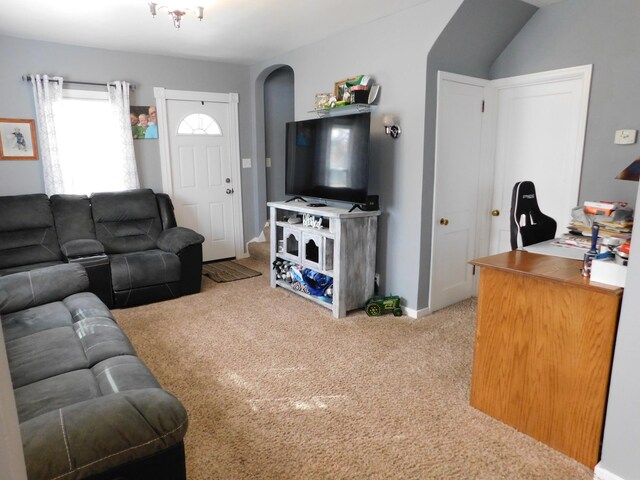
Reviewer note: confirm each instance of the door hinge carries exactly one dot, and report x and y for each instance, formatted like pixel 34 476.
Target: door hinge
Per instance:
pixel 482 106
pixel 474 270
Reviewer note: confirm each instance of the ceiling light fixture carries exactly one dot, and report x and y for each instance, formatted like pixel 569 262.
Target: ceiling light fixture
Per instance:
pixel 177 14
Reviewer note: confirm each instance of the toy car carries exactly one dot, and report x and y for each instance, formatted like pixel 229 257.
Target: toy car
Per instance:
pixel 376 306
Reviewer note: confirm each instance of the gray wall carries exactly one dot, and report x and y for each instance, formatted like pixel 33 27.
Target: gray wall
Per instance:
pixel 603 33
pixel 278 109
pixel 622 426
pixel 476 35
pixel 394 51
pixel 19 56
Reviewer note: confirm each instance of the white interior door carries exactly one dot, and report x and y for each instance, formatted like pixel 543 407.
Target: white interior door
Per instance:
pixel 541 123
pixel 457 177
pixel 532 128
pixel 201 169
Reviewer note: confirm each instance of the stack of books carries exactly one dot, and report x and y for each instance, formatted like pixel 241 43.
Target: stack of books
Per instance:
pixel 615 220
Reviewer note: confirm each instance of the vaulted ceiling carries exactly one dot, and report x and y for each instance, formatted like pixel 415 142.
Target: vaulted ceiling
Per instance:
pixel 239 31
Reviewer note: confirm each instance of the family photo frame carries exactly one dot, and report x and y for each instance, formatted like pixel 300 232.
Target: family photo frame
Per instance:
pixel 144 122
pixel 18 139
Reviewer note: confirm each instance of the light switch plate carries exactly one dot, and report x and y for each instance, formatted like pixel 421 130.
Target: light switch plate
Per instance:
pixel 246 163
pixel 625 137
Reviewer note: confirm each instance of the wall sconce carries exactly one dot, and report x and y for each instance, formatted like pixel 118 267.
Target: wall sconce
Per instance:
pixel 177 14
pixel 391 126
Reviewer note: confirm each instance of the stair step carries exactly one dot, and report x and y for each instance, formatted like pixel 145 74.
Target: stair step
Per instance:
pixel 260 251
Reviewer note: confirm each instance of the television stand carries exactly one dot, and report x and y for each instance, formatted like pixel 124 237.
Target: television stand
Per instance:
pixel 295 198
pixel 344 249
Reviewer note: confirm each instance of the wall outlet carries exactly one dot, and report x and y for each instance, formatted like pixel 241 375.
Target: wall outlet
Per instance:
pixel 625 137
pixel 267 161
pixel 246 163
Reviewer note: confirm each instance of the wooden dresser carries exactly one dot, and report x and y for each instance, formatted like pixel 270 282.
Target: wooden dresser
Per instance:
pixel 543 351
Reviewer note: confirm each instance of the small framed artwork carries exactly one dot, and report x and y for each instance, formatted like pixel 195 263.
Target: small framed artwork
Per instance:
pixel 18 139
pixel 144 122
pixel 340 88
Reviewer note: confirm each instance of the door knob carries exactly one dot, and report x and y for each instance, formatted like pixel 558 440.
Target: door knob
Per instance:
pixel 444 221
pixel 228 180
pixel 229 191
pixel 495 213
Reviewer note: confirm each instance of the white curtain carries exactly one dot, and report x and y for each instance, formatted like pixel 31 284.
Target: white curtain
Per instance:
pixel 119 102
pixel 47 94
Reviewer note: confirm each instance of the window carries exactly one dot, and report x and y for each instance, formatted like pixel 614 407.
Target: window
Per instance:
pixel 199 124
pixel 89 143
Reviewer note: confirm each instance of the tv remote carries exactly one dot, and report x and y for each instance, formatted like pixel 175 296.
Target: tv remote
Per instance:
pixel 316 204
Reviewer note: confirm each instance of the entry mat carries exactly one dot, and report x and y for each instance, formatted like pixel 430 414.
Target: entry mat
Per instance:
pixel 227 271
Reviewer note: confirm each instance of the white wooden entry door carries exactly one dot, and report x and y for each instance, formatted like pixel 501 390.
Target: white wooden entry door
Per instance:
pixel 203 183
pixel 541 123
pixel 457 175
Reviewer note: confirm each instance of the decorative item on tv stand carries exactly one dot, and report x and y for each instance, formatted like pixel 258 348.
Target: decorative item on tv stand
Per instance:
pixel 333 266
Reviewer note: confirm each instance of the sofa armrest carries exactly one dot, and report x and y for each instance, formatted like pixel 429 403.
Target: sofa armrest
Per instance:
pixel 94 436
pixel 177 238
pixel 166 211
pixel 87 247
pixel 19 291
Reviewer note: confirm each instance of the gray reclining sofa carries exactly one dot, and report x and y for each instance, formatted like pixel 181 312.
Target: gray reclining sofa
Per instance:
pixel 128 242
pixel 88 408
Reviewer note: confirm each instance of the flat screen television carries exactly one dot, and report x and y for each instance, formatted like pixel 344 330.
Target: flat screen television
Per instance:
pixel 328 158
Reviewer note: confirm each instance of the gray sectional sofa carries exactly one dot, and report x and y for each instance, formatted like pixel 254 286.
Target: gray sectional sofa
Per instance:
pixel 128 242
pixel 88 407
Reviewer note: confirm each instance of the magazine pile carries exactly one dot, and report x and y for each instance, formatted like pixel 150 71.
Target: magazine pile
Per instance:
pixel 614 218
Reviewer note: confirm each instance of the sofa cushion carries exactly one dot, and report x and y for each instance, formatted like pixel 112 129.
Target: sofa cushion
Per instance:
pixel 44 354
pixel 85 305
pixel 143 269
pixel 91 437
pixel 55 392
pixel 72 216
pixel 36 319
pixel 101 339
pixel 37 287
pixel 27 231
pixel 119 374
pixel 126 221
pixel 27 268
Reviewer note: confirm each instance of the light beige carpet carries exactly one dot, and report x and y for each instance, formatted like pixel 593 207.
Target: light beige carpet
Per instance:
pixel 276 388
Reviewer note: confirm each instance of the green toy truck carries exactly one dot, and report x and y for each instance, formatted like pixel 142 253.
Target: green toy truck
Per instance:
pixel 377 306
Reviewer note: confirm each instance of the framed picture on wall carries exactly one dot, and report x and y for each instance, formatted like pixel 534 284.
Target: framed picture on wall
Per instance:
pixel 18 139
pixel 340 88
pixel 144 122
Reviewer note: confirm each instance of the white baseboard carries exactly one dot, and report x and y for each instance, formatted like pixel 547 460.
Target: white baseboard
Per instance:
pixel 413 313
pixel 603 474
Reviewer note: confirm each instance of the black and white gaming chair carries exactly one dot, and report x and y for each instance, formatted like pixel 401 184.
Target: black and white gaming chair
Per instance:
pixel 527 221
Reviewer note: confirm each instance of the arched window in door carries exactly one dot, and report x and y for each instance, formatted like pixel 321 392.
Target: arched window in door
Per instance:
pixel 199 124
